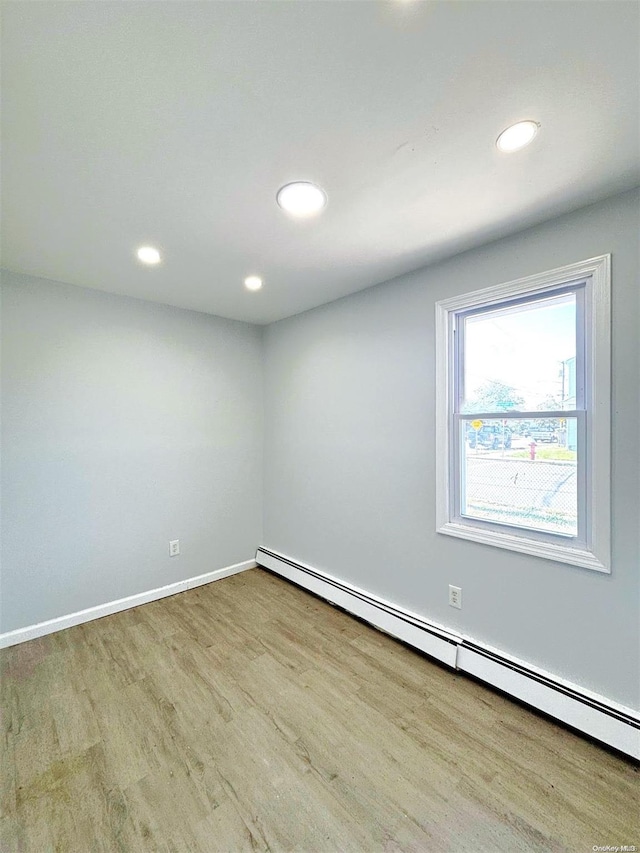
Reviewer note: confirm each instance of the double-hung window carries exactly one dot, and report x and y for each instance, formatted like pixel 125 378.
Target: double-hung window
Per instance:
pixel 523 415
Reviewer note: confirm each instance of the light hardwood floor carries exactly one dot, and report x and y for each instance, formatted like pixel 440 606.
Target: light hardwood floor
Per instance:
pixel 249 715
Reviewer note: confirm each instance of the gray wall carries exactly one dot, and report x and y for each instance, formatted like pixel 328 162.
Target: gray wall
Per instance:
pixel 350 462
pixel 125 424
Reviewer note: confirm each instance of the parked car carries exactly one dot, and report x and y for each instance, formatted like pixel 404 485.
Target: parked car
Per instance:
pixel 543 433
pixel 490 436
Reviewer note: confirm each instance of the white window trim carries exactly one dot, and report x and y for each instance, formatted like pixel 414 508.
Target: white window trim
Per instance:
pixel 597 272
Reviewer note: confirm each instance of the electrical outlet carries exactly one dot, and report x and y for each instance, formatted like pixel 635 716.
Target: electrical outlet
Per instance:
pixel 174 547
pixel 455 596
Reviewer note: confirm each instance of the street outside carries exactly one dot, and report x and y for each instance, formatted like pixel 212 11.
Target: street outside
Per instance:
pixel 504 488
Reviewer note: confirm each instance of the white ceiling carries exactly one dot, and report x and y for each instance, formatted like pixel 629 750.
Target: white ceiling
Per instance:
pixel 174 124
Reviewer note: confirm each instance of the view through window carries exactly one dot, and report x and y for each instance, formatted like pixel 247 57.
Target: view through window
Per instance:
pixel 519 407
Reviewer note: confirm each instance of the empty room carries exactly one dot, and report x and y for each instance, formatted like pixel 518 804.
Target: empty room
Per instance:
pixel 320 421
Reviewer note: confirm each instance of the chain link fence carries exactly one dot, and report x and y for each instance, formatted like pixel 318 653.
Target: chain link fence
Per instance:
pixel 509 477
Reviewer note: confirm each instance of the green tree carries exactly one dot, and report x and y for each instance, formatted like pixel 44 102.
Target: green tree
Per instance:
pixel 494 396
pixel 551 403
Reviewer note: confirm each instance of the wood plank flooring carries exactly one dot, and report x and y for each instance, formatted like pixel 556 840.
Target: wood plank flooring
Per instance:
pixel 249 715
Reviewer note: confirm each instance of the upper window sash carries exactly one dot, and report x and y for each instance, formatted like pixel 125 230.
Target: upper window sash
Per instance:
pixel 457 354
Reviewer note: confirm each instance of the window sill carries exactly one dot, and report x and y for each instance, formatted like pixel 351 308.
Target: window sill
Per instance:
pixel 546 550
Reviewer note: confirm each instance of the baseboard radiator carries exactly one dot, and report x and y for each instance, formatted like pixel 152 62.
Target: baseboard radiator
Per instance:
pixel 587 712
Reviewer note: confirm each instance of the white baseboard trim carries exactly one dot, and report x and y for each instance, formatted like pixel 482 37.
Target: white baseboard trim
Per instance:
pixel 21 635
pixel 587 712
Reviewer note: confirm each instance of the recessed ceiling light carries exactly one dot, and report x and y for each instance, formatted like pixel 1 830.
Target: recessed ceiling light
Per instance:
pixel 301 198
pixel 148 255
pixel 517 136
pixel 253 282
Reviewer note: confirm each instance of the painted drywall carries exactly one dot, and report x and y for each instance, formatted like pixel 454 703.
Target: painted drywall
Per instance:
pixel 350 460
pixel 125 424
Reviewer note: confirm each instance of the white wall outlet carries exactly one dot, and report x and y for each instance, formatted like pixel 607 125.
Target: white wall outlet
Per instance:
pixel 174 547
pixel 455 596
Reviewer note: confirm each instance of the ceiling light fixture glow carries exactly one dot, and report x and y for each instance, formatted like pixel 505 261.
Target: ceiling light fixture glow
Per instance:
pixel 148 255
pixel 301 199
pixel 253 282
pixel 517 136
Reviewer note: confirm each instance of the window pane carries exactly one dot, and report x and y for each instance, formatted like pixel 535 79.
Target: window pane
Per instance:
pixel 520 358
pixel 521 473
